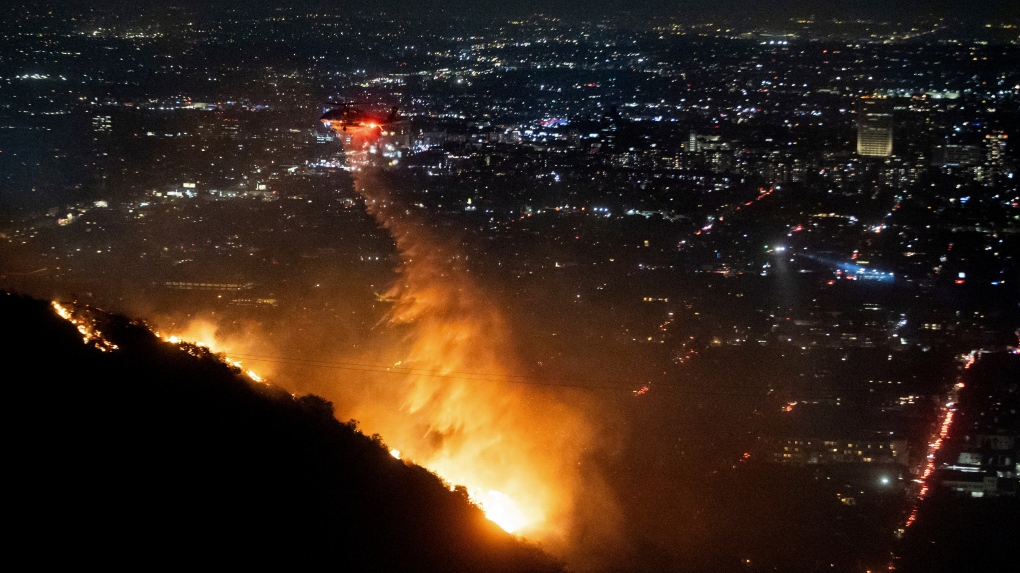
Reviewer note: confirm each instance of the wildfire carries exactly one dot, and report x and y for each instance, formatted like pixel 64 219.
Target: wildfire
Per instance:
pixel 466 432
pixel 496 505
pixel 86 327
pixel 91 334
pixel 516 450
pixel 449 406
pixel 209 341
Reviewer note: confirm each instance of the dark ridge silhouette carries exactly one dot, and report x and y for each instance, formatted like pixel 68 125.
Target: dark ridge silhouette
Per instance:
pixel 156 454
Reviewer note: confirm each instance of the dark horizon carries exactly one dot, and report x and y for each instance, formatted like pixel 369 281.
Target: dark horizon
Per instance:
pixel 728 10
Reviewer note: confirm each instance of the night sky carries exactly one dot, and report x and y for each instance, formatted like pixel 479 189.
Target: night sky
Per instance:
pixel 730 9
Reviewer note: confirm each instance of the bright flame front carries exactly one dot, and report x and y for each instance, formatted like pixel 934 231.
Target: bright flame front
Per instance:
pixel 499 508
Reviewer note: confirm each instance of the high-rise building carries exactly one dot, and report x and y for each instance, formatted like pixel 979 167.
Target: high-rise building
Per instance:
pixel 874 127
pixel 995 157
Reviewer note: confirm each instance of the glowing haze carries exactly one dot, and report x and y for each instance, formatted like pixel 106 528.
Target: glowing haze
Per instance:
pixel 454 407
pixel 453 400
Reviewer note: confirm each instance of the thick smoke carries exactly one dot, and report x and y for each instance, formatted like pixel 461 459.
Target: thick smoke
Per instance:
pixel 454 401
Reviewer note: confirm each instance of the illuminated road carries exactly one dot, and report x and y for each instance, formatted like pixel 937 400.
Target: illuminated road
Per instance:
pixel 947 412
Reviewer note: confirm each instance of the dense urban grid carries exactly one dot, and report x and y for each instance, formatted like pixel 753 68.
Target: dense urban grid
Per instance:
pixel 772 260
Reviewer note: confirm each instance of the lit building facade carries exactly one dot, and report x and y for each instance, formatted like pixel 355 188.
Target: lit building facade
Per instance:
pixel 874 128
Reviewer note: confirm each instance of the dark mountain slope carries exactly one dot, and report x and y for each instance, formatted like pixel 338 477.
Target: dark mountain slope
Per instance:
pixel 151 455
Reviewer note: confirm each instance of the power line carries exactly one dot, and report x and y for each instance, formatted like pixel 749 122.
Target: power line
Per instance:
pixel 530 380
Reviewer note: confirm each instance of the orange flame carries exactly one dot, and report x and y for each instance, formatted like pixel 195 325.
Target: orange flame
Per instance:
pixel 456 413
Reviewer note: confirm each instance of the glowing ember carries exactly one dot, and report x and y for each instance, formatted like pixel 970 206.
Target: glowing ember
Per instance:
pixel 86 326
pixel 395 453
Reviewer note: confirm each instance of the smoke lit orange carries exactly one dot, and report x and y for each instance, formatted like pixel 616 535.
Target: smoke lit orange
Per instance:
pixel 452 409
pixel 449 403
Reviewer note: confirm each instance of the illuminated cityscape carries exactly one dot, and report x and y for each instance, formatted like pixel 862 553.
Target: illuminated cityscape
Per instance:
pixel 658 291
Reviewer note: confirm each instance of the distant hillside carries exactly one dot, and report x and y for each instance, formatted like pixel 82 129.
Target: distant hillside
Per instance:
pixel 148 455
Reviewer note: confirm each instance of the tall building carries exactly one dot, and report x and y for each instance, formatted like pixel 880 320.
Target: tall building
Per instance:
pixel 874 127
pixel 995 158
